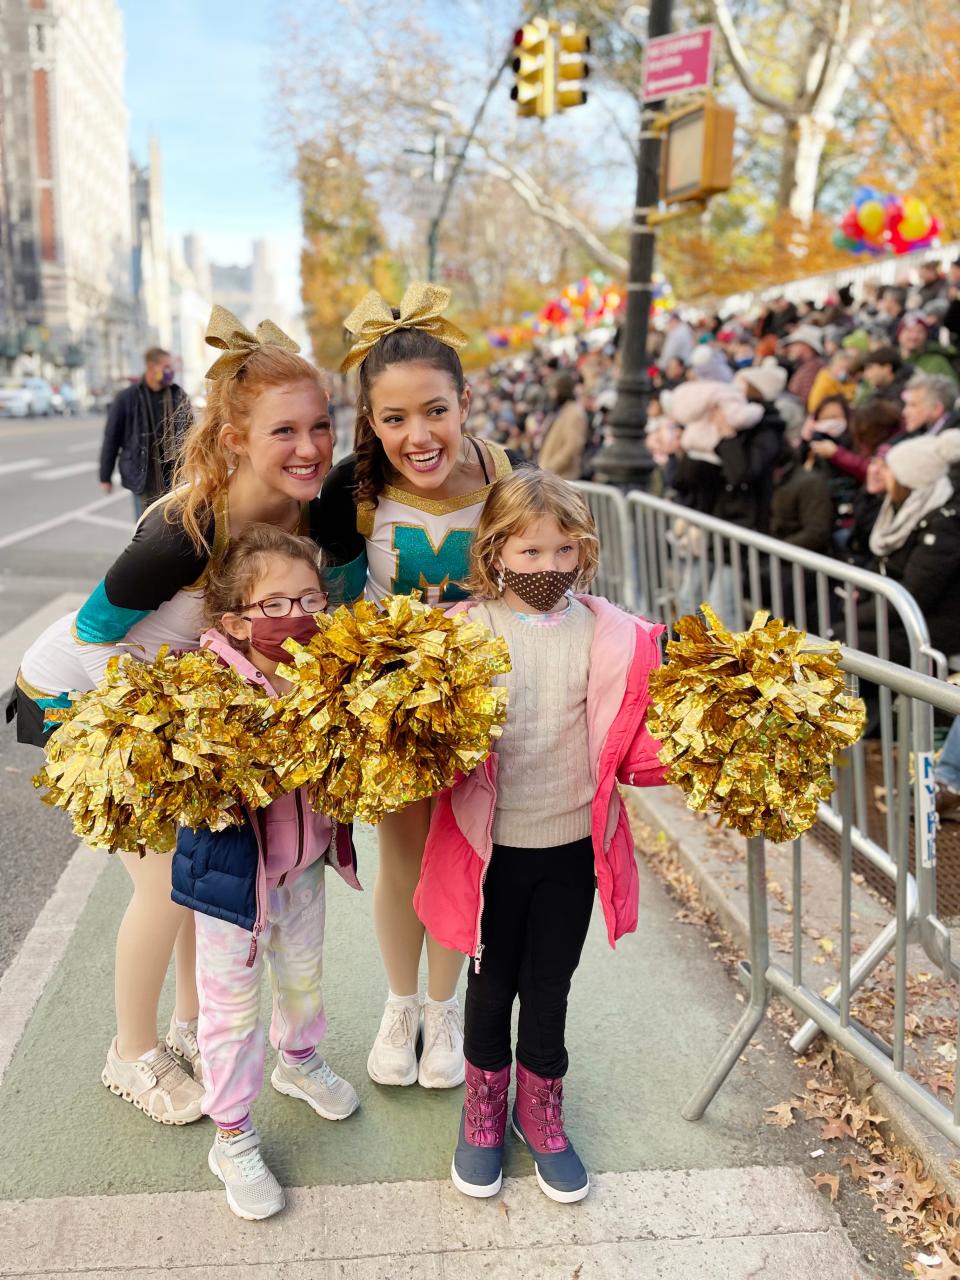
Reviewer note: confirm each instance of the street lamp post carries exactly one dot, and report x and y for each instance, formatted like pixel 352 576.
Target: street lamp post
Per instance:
pixel 625 460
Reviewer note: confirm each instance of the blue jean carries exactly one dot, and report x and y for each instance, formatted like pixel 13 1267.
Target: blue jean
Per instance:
pixel 947 768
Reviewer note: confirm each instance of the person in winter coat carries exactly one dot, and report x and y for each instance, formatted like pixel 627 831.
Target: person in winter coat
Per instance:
pixel 918 345
pixel 831 425
pixel 801 510
pixel 711 413
pixel 916 541
pixel 567 432
pixel 871 425
pixel 258 890
pixel 145 426
pixel 866 508
pixel 518 847
pixel 805 348
pixel 748 456
pixel 885 375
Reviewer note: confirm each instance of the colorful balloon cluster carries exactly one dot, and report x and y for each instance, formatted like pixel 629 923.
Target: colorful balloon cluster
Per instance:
pixel 878 222
pixel 586 303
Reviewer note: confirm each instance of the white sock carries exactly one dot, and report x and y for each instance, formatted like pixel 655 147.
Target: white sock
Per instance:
pixel 150 1054
pixel 186 1026
pixel 452 1003
pixel 393 998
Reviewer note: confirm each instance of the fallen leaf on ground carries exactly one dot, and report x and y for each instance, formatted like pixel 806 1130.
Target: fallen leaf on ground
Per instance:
pixel 830 1180
pixel 782 1114
pixel 505 1209
pixel 836 1129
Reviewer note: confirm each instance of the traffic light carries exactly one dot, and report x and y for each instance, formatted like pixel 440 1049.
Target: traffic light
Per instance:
pixel 572 43
pixel 534 70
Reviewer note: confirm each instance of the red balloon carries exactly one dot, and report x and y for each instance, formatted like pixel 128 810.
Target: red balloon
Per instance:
pixel 894 213
pixel 850 226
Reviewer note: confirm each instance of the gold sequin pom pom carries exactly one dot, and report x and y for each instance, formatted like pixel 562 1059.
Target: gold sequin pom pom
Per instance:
pixel 176 741
pixel 750 721
pixel 388 704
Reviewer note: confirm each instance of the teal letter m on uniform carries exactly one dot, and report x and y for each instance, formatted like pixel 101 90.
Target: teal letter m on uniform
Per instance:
pixel 435 571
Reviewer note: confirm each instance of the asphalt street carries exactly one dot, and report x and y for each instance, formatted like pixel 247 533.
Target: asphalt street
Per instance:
pixel 59 533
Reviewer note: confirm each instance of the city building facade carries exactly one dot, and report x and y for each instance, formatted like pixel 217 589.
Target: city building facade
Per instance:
pixel 66 180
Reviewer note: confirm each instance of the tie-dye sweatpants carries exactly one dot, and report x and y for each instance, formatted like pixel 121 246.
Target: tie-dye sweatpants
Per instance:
pixel 230 1031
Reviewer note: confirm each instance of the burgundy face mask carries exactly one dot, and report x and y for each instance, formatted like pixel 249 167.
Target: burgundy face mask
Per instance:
pixel 540 590
pixel 268 634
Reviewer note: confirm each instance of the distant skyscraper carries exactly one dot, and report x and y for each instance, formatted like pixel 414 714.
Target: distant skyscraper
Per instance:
pixel 151 259
pixel 67 180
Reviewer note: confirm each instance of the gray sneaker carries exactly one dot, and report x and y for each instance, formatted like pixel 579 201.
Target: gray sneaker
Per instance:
pixel 315 1082
pixel 182 1041
pixel 252 1190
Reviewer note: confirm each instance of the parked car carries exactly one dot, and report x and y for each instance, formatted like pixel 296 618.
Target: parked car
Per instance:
pixel 15 398
pixel 66 401
pixel 41 396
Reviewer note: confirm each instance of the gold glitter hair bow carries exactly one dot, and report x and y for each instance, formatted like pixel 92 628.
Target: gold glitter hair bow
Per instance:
pixel 421 307
pixel 227 334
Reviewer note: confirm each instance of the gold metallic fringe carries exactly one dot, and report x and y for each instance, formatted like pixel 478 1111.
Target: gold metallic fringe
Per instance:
pixel 750 722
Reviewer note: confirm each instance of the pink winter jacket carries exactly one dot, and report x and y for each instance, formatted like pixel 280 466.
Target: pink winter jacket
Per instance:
pixel 291 835
pixel 449 895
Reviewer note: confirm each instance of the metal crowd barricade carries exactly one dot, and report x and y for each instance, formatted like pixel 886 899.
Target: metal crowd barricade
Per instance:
pixel 916 696
pixel 684 556
pixel 617 575
pixel 677 553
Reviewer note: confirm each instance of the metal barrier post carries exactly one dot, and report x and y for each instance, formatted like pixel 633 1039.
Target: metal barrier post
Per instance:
pixel 617 577
pixel 753 1015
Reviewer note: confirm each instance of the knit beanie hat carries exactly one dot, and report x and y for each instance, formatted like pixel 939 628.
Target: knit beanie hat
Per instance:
pixel 769 378
pixel 919 463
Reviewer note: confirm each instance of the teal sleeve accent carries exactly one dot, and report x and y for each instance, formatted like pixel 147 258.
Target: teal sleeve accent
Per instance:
pixel 61 700
pixel 100 622
pixel 345 582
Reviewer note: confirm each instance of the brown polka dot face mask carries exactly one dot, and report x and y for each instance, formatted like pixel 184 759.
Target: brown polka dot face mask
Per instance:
pixel 540 590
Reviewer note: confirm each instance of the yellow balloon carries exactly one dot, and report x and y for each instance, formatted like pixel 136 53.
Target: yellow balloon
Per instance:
pixel 914 208
pixel 870 215
pixel 915 228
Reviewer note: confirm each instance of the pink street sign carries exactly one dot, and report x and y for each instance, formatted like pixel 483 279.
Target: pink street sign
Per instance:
pixel 678 63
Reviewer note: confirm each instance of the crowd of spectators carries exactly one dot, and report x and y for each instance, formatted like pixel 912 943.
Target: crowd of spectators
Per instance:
pixel 833 427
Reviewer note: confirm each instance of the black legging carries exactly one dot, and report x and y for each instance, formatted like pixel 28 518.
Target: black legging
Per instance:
pixel 537 906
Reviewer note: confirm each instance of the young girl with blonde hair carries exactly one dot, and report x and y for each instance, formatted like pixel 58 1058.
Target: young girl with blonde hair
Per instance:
pixel 259 454
pixel 517 847
pixel 398 515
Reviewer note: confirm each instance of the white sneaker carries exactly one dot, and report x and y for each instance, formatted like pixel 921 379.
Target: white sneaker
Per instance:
pixel 159 1087
pixel 252 1190
pixel 182 1041
pixel 315 1082
pixel 441 1064
pixel 393 1058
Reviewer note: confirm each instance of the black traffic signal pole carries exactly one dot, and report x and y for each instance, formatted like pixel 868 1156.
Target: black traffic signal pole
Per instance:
pixel 625 460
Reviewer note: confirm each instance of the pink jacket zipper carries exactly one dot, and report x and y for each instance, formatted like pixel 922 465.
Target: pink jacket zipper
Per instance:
pixel 261 875
pixel 488 833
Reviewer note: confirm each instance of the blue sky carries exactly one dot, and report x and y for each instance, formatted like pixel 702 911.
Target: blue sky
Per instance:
pixel 198 77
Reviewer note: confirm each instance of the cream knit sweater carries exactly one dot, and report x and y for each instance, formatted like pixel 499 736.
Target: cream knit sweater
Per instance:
pixel 545 780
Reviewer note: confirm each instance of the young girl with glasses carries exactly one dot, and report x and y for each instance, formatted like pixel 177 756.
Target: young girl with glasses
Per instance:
pixel 517 847
pixel 258 889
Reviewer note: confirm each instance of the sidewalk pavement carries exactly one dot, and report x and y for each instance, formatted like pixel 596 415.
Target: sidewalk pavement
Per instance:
pixel 88 1186
pixel 716 861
